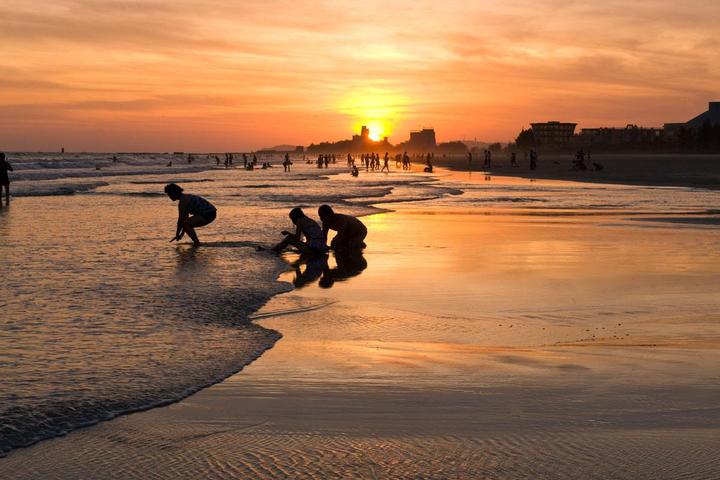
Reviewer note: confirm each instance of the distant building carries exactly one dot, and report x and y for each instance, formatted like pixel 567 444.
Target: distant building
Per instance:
pixel 299 149
pixel 358 143
pixel 631 135
pixel 422 139
pixel 711 116
pixel 553 133
pixel 362 141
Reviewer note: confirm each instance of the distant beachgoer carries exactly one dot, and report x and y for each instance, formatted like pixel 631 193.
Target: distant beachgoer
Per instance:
pixel 306 227
pixel 114 158
pixel 429 166
pixel 469 160
pixel 193 212
pixel 4 178
pixel 245 160
pixel 287 162
pixel 169 164
pixel 354 171
pixel 351 232
pixel 579 162
pixel 386 163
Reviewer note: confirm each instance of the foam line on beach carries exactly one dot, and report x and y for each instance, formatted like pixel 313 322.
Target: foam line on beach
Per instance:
pixel 290 311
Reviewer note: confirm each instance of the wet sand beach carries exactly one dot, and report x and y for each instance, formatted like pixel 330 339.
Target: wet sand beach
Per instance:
pixel 680 169
pixel 477 343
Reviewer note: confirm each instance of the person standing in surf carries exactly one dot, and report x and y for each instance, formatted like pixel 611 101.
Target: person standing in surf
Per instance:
pixel 193 212
pixel 4 178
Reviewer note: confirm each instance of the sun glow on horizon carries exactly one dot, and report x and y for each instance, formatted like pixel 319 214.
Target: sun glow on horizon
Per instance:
pixel 376 108
pixel 376 132
pixel 134 84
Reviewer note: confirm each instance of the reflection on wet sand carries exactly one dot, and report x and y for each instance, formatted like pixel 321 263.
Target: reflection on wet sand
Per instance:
pixel 309 269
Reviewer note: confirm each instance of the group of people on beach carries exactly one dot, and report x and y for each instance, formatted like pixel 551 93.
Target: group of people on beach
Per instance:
pixel 324 161
pixel 309 238
pixel 532 155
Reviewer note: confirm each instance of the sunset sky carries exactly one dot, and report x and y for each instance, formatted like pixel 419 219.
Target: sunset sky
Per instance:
pixel 238 75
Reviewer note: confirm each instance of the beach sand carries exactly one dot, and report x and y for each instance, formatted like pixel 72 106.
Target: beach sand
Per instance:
pixel 475 344
pixel 680 169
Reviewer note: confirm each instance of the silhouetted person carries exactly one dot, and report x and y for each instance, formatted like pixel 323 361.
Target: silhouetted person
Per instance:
pixel 386 163
pixel 193 212
pixel 307 228
pixel 533 159
pixel 469 160
pixel 4 178
pixel 287 162
pixel 245 160
pixel 350 231
pixel 579 163
pixel 428 163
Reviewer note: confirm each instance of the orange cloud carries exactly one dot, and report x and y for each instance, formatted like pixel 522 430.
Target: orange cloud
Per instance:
pixel 218 75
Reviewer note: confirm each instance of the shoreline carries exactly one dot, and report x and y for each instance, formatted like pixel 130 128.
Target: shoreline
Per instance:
pixel 250 319
pixel 653 170
pixel 418 366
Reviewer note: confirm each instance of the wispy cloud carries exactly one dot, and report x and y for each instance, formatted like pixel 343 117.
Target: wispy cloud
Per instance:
pixel 242 74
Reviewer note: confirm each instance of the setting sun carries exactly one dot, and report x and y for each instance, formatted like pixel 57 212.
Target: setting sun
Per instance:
pixel 376 133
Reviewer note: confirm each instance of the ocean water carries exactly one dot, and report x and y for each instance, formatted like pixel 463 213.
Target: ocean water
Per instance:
pixel 101 315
